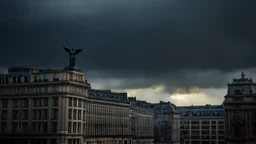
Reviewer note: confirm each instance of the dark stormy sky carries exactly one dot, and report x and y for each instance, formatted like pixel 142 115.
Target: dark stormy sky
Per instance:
pixel 153 49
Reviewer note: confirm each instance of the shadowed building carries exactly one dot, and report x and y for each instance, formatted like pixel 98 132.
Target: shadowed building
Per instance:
pixel 108 118
pixel 37 105
pixel 240 112
pixel 142 121
pixel 167 123
pixel 202 124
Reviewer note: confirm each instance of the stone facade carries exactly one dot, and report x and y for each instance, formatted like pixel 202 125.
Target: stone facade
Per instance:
pixel 240 112
pixel 202 124
pixel 142 121
pixel 167 123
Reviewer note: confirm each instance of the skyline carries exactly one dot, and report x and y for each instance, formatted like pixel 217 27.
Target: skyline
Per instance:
pixel 179 51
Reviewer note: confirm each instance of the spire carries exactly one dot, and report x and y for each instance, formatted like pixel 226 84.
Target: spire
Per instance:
pixel 242 75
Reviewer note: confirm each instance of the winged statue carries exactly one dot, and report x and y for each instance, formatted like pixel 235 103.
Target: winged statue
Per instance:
pixel 72 55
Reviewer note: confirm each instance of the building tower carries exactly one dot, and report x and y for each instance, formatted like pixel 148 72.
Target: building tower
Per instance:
pixel 240 112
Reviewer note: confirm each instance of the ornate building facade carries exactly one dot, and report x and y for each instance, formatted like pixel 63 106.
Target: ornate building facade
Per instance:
pixel 240 111
pixel 167 123
pixel 42 106
pixel 202 124
pixel 108 118
pixel 142 121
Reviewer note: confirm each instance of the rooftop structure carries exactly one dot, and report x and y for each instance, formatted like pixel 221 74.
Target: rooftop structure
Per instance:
pixel 108 95
pixel 207 110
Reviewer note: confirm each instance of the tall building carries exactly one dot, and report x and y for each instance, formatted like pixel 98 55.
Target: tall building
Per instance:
pixel 142 121
pixel 167 123
pixel 202 124
pixel 108 118
pixel 42 106
pixel 240 111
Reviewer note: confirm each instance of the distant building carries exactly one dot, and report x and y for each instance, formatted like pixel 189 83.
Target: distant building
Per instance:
pixel 167 123
pixel 108 118
pixel 240 111
pixel 202 124
pixel 142 121
pixel 42 106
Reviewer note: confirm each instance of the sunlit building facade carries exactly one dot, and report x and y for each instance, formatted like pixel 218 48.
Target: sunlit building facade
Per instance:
pixel 142 121
pixel 240 111
pixel 202 124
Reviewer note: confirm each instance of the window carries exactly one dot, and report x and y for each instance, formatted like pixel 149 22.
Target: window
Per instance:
pixel 55 101
pixel 75 102
pixel 40 77
pixel 14 127
pixel 34 114
pixel 4 126
pixel 74 127
pixel 45 102
pixel 35 78
pixel 5 103
pixel 79 103
pixel 15 115
pixel 69 127
pixel 55 114
pixel 38 102
pixel 4 114
pixel 45 114
pixel 56 77
pixel 24 127
pixel 24 115
pixel 45 127
pixel 54 126
pixel 15 103
pixel 237 130
pixel 74 114
pixel 70 102
pixel 46 77
pixel 70 114
pixel 79 127
pixel 79 114
pixel 39 114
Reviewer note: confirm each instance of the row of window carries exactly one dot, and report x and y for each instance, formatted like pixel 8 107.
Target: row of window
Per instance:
pixel 43 89
pixel 24 102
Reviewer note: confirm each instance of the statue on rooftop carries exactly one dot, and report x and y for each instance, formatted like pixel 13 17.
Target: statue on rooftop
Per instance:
pixel 72 55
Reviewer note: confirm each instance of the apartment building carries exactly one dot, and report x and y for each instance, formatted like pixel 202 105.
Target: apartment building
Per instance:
pixel 42 106
pixel 167 123
pixel 108 118
pixel 142 121
pixel 202 124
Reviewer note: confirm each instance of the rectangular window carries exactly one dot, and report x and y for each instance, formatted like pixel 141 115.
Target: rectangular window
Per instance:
pixel 79 103
pixel 24 115
pixel 54 126
pixel 3 126
pixel 74 114
pixel 15 114
pixel 5 103
pixel 70 114
pixel 56 77
pixel 83 115
pixel 79 115
pixel 79 127
pixel 14 127
pixel 55 114
pixel 75 102
pixel 69 127
pixel 55 101
pixel 45 127
pixel 15 103
pixel 70 102
pixel 45 100
pixel 24 127
pixel 4 114
pixel 74 127
pixel 45 114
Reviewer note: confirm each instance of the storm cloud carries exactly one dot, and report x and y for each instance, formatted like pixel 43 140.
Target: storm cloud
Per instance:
pixel 182 44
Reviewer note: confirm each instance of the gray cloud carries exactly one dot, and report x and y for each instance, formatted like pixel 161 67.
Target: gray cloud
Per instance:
pixel 177 43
